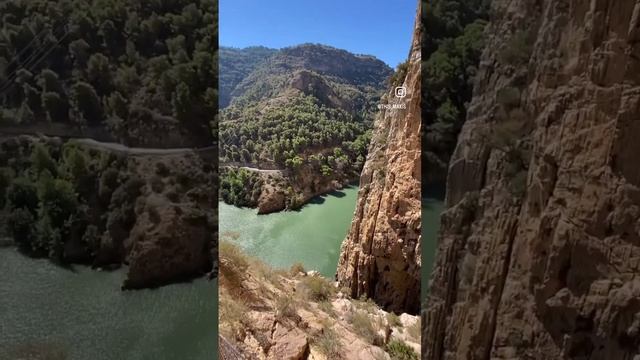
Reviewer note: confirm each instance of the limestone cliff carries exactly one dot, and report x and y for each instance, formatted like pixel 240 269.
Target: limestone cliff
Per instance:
pixel 380 258
pixel 539 248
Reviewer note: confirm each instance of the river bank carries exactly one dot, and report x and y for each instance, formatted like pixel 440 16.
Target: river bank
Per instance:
pixel 84 202
pixel 311 235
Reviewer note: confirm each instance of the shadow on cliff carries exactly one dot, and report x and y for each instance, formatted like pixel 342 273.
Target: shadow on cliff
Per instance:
pixel 558 298
pixel 319 200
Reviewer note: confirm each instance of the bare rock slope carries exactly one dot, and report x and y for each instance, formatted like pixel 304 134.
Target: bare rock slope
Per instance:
pixel 539 250
pixel 278 315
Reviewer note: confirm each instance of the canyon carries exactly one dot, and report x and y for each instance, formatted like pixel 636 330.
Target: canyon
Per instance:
pixel 372 310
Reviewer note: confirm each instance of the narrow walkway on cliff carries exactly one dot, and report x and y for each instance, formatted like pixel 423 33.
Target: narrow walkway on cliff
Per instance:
pixel 263 171
pixel 124 149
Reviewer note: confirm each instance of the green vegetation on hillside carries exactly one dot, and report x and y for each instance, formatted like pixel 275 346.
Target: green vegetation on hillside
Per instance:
pixel 356 80
pixel 237 64
pixel 239 187
pixel 452 44
pixel 399 350
pixel 303 132
pixel 129 66
pixel 78 205
pixel 50 197
pixel 307 110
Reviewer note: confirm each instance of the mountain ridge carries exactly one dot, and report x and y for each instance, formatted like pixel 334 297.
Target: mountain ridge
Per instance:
pixel 306 110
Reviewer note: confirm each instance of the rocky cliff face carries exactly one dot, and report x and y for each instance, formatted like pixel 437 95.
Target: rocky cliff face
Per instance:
pixel 380 258
pixel 538 255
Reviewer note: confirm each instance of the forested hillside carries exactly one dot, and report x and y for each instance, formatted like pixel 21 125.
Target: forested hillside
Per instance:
pixel 77 204
pixel 143 71
pixel 452 44
pixel 236 65
pixel 306 111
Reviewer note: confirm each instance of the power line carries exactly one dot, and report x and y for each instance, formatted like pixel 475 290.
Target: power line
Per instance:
pixel 24 49
pixel 33 61
pixel 36 53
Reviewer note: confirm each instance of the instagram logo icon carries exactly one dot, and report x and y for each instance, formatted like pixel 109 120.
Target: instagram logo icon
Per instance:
pixel 401 92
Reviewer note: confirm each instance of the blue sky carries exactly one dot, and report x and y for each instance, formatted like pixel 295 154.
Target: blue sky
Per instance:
pixel 382 28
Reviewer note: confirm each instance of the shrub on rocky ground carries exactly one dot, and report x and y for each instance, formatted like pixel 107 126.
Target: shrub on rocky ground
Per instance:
pixel 329 343
pixel 364 326
pixel 398 350
pixel 316 288
pixel 233 263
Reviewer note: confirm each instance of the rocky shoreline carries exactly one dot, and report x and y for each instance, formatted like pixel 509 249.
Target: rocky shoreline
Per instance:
pixel 280 192
pixel 154 214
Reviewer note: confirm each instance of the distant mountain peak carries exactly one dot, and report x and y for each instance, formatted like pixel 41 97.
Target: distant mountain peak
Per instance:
pixel 255 73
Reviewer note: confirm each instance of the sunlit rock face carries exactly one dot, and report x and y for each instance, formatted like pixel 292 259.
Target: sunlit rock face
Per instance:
pixel 380 258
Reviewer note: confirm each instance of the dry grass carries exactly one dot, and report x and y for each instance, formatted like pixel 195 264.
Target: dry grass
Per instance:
pixel 363 326
pixel 329 343
pixel 393 320
pixel 267 273
pixel 415 331
pixel 233 264
pixel 286 308
pixel 366 304
pixel 232 316
pixel 296 269
pixel 316 288
pixel 327 307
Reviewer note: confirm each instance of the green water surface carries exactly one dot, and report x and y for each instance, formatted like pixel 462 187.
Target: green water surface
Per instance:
pixel 311 235
pixel 432 207
pixel 49 312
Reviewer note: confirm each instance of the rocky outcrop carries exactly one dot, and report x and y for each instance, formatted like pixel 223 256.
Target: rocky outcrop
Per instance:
pixel 173 237
pixel 271 200
pixel 542 262
pixel 278 315
pixel 169 242
pixel 380 258
pixel 289 190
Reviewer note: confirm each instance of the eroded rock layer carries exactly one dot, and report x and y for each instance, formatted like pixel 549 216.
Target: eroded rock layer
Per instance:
pixel 540 260
pixel 380 258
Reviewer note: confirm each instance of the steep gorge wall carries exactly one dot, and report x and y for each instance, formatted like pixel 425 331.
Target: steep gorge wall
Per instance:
pixel 548 268
pixel 380 258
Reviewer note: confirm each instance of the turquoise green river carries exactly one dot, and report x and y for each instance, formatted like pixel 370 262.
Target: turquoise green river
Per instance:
pixel 311 236
pixel 432 207
pixel 53 313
